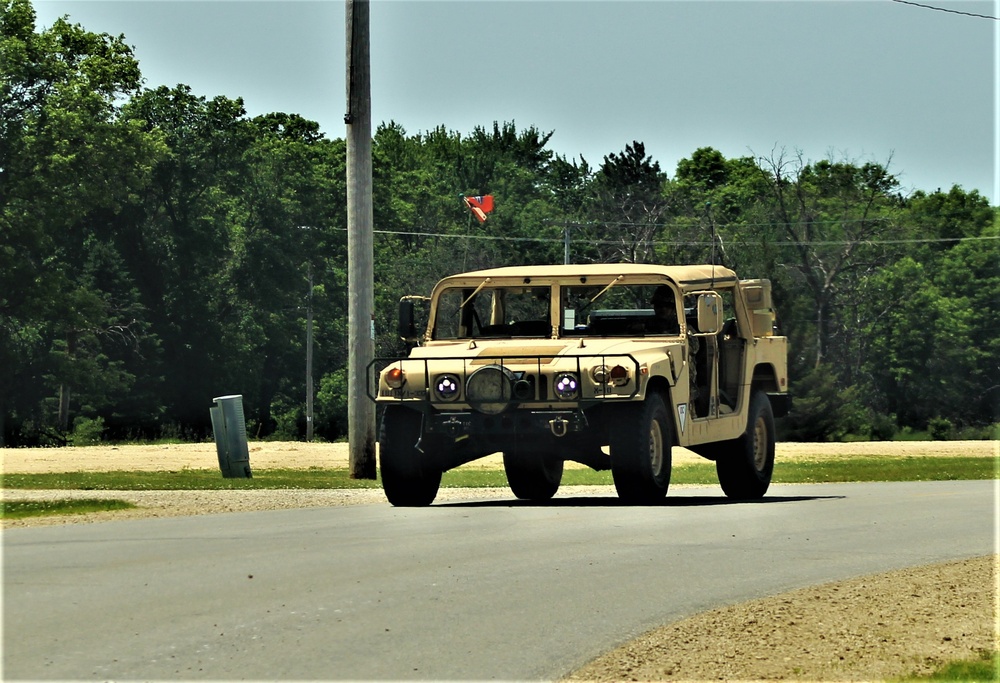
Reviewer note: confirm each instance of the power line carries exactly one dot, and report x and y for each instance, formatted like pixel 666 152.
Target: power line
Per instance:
pixel 683 226
pixel 949 10
pixel 682 243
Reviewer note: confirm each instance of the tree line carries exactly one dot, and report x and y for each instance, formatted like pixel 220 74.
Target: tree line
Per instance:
pixel 159 248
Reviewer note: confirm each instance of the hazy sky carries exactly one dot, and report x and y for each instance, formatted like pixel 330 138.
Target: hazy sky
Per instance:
pixel 864 80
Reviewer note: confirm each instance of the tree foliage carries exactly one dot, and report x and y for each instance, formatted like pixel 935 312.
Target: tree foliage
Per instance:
pixel 159 248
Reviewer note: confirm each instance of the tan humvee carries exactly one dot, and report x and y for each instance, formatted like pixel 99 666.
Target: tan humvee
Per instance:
pixel 553 363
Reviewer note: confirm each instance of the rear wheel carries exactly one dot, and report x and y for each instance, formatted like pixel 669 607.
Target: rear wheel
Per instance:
pixel 406 478
pixel 531 474
pixel 641 451
pixel 745 468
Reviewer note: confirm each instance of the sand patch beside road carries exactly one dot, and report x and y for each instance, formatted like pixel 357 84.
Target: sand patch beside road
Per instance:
pixel 301 455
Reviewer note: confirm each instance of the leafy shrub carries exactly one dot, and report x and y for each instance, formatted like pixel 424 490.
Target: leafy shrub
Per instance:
pixel 86 431
pixel 881 427
pixel 331 405
pixel 287 427
pixel 976 433
pixel 940 428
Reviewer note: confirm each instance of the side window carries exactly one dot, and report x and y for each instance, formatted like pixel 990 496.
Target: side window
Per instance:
pixel 729 325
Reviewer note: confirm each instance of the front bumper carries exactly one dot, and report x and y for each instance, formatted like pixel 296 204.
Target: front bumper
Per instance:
pixel 558 423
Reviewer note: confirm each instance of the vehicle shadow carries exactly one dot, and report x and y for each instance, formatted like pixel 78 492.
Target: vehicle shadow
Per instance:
pixel 613 501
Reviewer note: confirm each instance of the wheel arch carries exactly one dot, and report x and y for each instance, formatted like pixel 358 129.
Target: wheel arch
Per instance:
pixel 661 386
pixel 765 379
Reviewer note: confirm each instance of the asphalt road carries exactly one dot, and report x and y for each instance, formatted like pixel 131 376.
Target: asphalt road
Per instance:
pixel 479 590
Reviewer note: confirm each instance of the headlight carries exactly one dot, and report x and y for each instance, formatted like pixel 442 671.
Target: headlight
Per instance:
pixel 489 389
pixel 446 387
pixel 567 386
pixel 616 376
pixel 395 378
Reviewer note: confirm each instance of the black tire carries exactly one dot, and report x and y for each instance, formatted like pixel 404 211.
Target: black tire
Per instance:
pixel 406 479
pixel 641 441
pixel 745 468
pixel 532 475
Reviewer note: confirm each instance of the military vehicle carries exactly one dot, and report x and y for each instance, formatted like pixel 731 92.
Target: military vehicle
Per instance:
pixel 608 365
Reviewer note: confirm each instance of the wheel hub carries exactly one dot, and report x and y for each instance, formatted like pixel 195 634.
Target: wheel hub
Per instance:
pixel 655 448
pixel 760 444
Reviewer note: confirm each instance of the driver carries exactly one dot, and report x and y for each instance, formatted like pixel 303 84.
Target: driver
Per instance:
pixel 665 309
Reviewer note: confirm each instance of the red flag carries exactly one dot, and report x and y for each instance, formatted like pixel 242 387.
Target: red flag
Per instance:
pixel 480 205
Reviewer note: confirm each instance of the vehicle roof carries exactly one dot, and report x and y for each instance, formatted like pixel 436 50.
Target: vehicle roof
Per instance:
pixel 685 276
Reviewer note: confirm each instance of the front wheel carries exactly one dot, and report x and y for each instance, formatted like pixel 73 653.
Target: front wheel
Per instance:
pixel 641 441
pixel 532 475
pixel 745 469
pixel 406 478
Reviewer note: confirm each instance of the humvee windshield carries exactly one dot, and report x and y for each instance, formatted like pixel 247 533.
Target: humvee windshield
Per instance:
pixel 625 310
pixel 493 312
pixel 618 310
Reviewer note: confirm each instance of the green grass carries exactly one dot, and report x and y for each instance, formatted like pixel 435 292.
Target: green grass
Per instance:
pixel 884 469
pixel 188 480
pixel 986 668
pixel 44 508
pixel 794 472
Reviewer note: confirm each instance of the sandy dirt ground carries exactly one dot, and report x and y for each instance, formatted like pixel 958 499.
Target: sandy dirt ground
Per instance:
pixel 871 628
pixel 268 454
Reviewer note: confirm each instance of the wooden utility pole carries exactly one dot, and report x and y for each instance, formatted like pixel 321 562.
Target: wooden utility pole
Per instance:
pixel 309 357
pixel 360 252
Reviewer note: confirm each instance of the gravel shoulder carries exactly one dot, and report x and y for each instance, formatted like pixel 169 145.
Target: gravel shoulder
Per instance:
pixel 870 628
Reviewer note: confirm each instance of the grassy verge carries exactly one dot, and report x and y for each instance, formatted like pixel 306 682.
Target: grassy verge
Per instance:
pixel 986 668
pixel 44 508
pixel 187 480
pixel 796 472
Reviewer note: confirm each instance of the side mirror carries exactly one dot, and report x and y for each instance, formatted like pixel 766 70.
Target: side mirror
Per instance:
pixel 409 326
pixel 407 321
pixel 709 313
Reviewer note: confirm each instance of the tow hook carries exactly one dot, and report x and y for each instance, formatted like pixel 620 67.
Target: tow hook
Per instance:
pixel 558 426
pixel 453 427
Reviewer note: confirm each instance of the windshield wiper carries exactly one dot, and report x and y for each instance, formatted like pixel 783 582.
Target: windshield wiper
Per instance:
pixel 601 293
pixel 478 289
pixel 610 285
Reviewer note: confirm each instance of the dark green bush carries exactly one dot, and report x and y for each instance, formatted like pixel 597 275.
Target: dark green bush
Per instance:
pixel 881 427
pixel 940 428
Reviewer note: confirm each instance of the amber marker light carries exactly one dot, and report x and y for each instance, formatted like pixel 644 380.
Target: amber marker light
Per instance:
pixel 619 376
pixel 395 378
